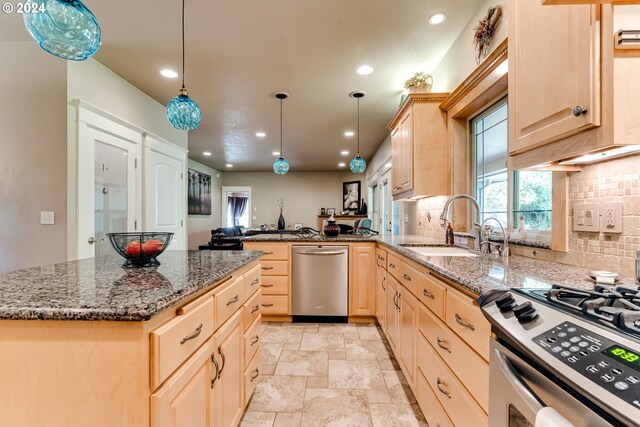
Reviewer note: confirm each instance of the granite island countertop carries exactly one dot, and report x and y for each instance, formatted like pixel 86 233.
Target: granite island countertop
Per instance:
pixel 101 289
pixel 475 274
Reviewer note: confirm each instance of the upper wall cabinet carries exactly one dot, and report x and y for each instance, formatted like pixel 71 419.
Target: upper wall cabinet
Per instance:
pixel 421 164
pixel 570 89
pixel 554 83
pixel 555 2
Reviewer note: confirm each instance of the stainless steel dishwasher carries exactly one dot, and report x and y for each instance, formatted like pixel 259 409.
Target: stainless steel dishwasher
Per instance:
pixel 320 284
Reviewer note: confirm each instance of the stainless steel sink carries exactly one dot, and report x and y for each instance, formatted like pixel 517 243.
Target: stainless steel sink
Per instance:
pixel 441 251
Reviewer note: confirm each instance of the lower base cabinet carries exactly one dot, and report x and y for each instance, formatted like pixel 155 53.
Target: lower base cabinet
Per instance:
pixel 408 326
pixel 392 316
pixel 229 387
pixel 429 403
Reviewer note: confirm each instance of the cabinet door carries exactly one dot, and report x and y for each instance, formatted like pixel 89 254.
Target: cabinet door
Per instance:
pixel 362 298
pixel 392 314
pixel 408 330
pixel 186 399
pixel 396 160
pixel 406 173
pixel 553 68
pixel 381 296
pixel 229 387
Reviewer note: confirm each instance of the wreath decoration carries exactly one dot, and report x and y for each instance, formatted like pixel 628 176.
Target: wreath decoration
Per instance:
pixel 485 31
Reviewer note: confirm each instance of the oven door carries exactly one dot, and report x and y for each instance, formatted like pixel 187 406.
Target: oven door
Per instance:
pixel 518 391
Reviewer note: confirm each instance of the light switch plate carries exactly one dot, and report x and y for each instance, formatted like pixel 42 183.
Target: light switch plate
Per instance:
pixel 611 217
pixel 47 218
pixel 586 217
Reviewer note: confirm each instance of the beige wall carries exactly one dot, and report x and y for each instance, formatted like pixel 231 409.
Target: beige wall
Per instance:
pixel 460 60
pixel 32 156
pixel 200 226
pixel 304 194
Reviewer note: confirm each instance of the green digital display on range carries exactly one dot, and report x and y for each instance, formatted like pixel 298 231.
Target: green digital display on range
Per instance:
pixel 624 355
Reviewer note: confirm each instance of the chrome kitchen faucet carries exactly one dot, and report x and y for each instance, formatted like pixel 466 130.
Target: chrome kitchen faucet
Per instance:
pixel 446 216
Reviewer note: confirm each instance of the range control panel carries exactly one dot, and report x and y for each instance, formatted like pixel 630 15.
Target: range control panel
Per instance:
pixel 612 366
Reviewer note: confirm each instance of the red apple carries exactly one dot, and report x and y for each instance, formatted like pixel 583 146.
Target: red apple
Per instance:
pixel 133 249
pixel 152 247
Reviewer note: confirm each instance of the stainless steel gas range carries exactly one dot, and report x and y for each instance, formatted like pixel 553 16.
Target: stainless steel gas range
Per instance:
pixel 575 351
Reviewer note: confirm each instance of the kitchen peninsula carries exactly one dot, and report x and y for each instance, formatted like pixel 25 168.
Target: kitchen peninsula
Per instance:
pixel 91 343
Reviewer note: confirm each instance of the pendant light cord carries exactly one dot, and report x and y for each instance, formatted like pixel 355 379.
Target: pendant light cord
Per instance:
pixel 183 1
pixel 281 127
pixel 358 126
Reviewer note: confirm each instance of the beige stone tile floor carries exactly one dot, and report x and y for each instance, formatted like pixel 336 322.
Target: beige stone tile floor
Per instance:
pixel 317 375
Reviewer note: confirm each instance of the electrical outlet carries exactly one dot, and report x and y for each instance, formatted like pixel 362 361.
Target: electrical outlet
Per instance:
pixel 611 217
pixel 47 218
pixel 585 217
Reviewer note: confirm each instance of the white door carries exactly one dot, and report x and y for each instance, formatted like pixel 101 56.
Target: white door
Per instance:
pixel 106 189
pixel 164 196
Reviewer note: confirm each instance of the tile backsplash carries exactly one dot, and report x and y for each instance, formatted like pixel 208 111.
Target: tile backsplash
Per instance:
pixel 617 180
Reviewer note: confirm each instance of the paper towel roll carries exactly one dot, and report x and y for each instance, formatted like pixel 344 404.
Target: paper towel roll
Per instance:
pixel 549 417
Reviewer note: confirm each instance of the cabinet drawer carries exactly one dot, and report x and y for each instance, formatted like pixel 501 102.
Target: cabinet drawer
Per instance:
pixel 252 340
pixel 275 304
pixel 176 340
pixel 275 252
pixel 381 258
pixel 252 309
pixel 228 300
pixel 463 410
pixel 252 376
pixel 274 268
pixel 432 293
pixel 466 364
pixel 275 285
pixel 409 277
pixel 393 266
pixel 431 408
pixel 466 320
pixel 252 281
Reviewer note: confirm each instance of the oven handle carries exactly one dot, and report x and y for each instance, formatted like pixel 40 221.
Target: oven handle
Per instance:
pixel 527 395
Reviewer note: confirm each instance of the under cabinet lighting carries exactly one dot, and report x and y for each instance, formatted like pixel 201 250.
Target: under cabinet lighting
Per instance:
pixel 603 155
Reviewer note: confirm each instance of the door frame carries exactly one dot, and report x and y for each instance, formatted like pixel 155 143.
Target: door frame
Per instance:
pixel 376 180
pixel 231 189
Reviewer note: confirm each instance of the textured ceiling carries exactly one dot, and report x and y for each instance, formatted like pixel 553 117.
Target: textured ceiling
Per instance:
pixel 240 52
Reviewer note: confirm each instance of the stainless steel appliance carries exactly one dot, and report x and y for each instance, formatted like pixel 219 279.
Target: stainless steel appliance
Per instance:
pixel 573 350
pixel 320 283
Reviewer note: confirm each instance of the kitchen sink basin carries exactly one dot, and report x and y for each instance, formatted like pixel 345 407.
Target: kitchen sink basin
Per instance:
pixel 441 251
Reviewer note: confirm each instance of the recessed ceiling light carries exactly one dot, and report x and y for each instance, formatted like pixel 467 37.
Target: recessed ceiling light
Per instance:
pixel 342 165
pixel 170 74
pixel 276 153
pixel 206 153
pixel 365 70
pixel 349 133
pixel 437 18
pixel 229 165
pixel 344 153
pixel 261 134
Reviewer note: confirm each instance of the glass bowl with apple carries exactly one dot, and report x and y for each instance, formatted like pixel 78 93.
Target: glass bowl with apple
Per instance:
pixel 140 249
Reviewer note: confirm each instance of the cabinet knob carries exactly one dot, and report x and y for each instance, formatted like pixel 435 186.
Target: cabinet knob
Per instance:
pixel 579 110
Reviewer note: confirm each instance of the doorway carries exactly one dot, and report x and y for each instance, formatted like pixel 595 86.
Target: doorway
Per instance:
pixel 236 207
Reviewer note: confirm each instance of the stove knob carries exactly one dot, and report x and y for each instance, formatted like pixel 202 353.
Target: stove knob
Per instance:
pixel 525 312
pixel 505 302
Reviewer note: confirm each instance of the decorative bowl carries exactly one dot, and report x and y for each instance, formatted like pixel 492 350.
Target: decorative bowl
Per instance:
pixel 331 229
pixel 140 249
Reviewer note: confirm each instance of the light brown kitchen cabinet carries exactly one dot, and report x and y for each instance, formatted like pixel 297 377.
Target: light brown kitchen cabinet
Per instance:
pixel 362 273
pixel 381 288
pixel 392 316
pixel 276 273
pixel 408 331
pixel 420 155
pixel 188 398
pixel 554 76
pixel 229 386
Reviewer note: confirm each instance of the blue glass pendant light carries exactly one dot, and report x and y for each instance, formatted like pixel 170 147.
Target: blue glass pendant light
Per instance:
pixel 281 165
pixel 358 165
pixel 64 28
pixel 183 112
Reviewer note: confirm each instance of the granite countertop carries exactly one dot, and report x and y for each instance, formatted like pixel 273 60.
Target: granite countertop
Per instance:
pixel 100 289
pixel 485 272
pixel 292 237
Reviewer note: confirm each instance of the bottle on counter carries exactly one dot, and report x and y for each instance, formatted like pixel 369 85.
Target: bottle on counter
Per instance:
pixel 449 239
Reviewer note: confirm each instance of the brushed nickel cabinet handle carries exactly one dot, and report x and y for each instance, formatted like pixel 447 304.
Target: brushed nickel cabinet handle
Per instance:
pixel 579 110
pixel 267 285
pixel 463 323
pixel 255 340
pixel 224 361
pixel 255 282
pixel 428 294
pixel 392 265
pixel 441 390
pixel 406 277
pixel 256 375
pixel 197 332
pixel 267 305
pixel 442 346
pixel 215 363
pixel 383 280
pixel 233 300
pixel 256 308
pixel 267 268
pixel 268 253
